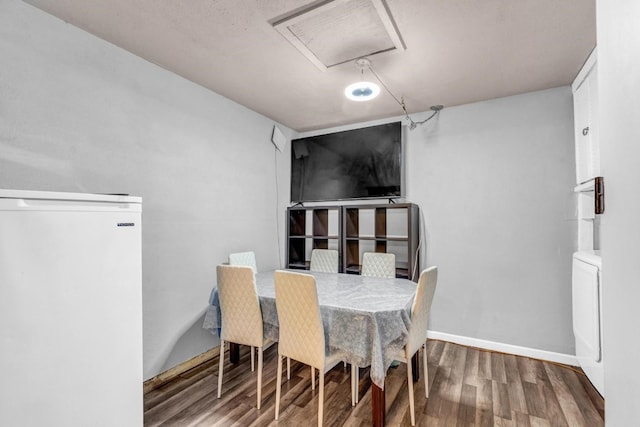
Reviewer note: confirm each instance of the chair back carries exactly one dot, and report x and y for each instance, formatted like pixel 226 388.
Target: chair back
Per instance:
pixel 239 305
pixel 244 258
pixel 324 261
pixel 377 264
pixel 301 334
pixel 421 308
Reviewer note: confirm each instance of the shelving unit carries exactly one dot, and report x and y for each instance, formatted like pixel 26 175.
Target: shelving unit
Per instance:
pixel 389 228
pixel 316 227
pixel 353 230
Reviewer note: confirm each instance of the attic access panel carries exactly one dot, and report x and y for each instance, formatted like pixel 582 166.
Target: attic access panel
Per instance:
pixel 333 32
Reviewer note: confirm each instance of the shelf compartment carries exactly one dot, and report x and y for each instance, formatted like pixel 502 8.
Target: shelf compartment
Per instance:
pixel 380 224
pixel 320 243
pixel 396 223
pixel 314 227
pixel 297 222
pixel 320 222
pixel 351 253
pixel 352 222
pixel 324 243
pixel 296 251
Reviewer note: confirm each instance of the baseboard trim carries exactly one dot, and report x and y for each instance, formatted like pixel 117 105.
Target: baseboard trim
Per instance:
pixel 566 359
pixel 168 375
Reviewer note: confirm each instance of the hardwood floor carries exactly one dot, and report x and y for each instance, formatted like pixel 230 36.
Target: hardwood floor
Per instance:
pixel 468 387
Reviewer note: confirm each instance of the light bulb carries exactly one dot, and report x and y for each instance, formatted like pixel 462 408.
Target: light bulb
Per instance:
pixel 362 91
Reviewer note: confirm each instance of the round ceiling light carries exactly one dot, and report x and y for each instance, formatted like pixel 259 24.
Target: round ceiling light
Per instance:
pixel 362 91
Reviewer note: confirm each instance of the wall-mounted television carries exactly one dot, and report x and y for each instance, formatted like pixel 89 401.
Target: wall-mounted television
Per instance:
pixel 354 164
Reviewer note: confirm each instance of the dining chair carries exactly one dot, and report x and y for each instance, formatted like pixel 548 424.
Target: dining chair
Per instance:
pixel 301 333
pixel 240 314
pixel 418 331
pixel 244 258
pixel 377 264
pixel 324 261
pixel 247 259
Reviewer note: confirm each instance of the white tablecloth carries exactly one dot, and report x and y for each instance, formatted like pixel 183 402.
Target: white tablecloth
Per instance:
pixel 364 318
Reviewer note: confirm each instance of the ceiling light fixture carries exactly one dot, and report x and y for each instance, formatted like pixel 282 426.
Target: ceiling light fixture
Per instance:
pixel 362 90
pixel 363 63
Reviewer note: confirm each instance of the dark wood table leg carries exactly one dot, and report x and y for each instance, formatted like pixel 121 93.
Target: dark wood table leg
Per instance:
pixel 415 367
pixel 234 352
pixel 377 405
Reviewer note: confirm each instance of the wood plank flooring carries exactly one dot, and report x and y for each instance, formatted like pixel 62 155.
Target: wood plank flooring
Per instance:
pixel 468 387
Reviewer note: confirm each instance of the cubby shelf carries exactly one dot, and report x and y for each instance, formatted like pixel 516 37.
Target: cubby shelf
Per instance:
pixel 390 228
pixel 316 227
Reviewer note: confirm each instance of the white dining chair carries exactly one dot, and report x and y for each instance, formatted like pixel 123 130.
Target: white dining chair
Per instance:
pixel 378 264
pixel 324 261
pixel 244 258
pixel 241 317
pixel 247 259
pixel 301 333
pixel 418 331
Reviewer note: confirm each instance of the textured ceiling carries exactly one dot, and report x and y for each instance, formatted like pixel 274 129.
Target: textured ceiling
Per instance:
pixel 457 51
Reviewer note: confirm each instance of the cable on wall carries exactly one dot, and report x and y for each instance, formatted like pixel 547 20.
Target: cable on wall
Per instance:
pixel 275 158
pixel 412 124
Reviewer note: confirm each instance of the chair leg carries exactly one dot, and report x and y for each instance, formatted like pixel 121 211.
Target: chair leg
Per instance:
pixel 354 384
pixel 313 379
pixel 357 371
pixel 321 400
pixel 353 395
pixel 259 376
pixel 220 367
pixel 410 387
pixel 278 384
pixel 426 371
pixel 253 368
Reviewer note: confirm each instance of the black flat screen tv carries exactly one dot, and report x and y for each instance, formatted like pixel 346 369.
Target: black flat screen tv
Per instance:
pixel 354 164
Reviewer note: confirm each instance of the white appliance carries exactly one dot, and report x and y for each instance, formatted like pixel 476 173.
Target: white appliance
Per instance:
pixel 587 316
pixel 70 310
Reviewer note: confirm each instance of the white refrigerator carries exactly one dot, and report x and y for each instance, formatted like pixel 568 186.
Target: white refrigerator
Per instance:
pixel 70 309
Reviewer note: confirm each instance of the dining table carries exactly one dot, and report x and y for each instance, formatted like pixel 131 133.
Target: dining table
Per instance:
pixel 366 319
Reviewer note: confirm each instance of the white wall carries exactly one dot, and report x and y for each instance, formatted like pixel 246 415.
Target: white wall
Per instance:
pixel 494 181
pixel 79 114
pixel 619 102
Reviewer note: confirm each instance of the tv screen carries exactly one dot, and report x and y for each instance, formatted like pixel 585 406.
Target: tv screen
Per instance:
pixel 353 164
